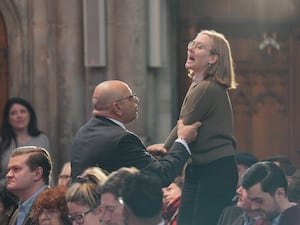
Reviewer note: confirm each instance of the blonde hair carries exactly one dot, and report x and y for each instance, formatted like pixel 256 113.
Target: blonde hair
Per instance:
pixel 87 188
pixel 223 70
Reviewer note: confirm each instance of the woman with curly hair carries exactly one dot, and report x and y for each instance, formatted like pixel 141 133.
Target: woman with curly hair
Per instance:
pixel 50 208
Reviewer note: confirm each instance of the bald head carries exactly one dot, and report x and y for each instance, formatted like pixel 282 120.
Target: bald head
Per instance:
pixel 107 92
pixel 114 99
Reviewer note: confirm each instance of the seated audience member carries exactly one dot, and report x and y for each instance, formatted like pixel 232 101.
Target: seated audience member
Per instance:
pixel 19 128
pixel 294 187
pixel 83 197
pixel 171 196
pixel 99 174
pixel 29 172
pixel 50 208
pixel 284 163
pixel 8 203
pixel 65 175
pixel 112 209
pixel 266 187
pixel 241 213
pixel 142 198
pixel 244 160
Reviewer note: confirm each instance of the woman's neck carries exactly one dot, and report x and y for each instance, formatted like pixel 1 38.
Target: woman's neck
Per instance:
pixel 22 136
pixel 198 77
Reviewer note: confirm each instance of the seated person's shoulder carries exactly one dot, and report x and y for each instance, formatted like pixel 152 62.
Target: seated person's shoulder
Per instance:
pixel 230 213
pixel 232 210
pixel 291 216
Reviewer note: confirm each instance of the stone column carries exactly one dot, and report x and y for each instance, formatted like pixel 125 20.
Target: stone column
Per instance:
pixel 69 72
pixel 127 50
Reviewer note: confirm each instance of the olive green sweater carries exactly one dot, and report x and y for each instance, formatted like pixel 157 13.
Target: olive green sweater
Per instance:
pixel 209 103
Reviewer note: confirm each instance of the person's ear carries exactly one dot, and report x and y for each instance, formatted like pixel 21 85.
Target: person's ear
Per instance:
pixel 125 213
pixel 38 173
pixel 280 193
pixel 116 109
pixel 213 59
pixel 99 210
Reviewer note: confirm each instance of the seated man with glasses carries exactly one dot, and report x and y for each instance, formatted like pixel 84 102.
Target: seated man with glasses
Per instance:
pixel 105 142
pixel 64 177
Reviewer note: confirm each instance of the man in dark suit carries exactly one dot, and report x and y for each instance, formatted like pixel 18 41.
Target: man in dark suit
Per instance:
pixel 105 142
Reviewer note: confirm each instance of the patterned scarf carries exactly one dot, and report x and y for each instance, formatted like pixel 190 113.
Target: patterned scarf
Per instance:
pixel 170 212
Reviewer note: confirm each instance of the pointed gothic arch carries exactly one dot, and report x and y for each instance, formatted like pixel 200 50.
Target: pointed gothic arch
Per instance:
pixel 16 73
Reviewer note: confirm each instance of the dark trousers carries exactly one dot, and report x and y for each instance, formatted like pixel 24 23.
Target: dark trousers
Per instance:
pixel 206 191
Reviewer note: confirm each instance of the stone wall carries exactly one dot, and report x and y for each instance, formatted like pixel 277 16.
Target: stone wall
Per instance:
pixel 46 65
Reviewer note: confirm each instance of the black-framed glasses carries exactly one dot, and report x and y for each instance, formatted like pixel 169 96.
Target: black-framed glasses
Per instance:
pixel 79 218
pixel 130 97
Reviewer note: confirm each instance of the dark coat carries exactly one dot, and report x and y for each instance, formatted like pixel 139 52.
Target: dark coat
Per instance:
pixel 103 143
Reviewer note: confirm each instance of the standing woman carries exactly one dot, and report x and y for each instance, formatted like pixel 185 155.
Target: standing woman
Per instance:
pixel 19 128
pixel 211 175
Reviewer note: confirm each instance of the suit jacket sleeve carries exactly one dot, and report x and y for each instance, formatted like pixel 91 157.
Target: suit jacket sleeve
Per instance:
pixel 132 152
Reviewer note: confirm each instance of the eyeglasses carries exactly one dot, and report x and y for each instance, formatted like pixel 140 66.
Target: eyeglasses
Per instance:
pixel 48 213
pixel 64 177
pixel 79 218
pixel 194 44
pixel 130 97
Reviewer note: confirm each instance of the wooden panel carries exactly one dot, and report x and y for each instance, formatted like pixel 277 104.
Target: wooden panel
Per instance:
pixel 233 10
pixel 295 96
pixel 261 112
pixel 266 103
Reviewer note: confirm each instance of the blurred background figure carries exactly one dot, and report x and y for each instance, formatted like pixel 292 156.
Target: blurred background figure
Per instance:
pixel 284 163
pixel 244 161
pixel 171 196
pixel 294 187
pixel 50 208
pixel 8 203
pixel 64 177
pixel 83 197
pixel 19 128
